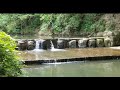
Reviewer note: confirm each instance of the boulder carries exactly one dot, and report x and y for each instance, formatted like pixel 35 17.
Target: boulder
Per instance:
pixel 108 42
pixel 60 44
pixel 66 43
pixel 99 34
pixel 22 44
pixel 45 44
pixel 82 43
pixel 72 44
pixel 54 41
pixel 108 34
pixel 31 44
pixel 100 42
pixel 116 38
pixel 91 43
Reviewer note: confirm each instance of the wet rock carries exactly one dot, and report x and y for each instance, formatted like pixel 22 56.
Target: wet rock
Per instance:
pixel 100 42
pixel 46 44
pixel 99 34
pixel 82 43
pixel 116 38
pixel 108 34
pixel 31 44
pixel 72 44
pixel 22 44
pixel 108 42
pixel 60 44
pixel 66 43
pixel 54 41
pixel 91 43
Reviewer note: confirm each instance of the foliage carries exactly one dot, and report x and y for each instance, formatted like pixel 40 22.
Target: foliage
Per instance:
pixel 56 23
pixel 9 63
pixel 89 22
pixel 98 26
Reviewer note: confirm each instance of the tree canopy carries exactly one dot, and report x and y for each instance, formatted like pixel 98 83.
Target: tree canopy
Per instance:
pixel 71 23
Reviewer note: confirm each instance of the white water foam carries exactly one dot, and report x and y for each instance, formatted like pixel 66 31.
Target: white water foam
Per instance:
pixel 115 47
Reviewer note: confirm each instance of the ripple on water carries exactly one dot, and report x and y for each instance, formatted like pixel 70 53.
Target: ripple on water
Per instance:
pixel 65 62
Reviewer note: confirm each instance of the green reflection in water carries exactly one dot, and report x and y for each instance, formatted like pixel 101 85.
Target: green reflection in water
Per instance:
pixel 76 69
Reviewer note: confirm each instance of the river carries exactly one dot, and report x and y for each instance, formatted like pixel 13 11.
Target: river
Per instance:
pixel 109 68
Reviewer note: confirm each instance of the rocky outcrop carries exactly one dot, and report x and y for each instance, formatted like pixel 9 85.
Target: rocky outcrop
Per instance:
pixel 31 44
pixel 82 43
pixel 46 44
pixel 108 42
pixel 66 43
pixel 72 44
pixel 100 42
pixel 22 44
pixel 54 41
pixel 114 36
pixel 111 38
pixel 99 34
pixel 60 44
pixel 92 43
pixel 108 33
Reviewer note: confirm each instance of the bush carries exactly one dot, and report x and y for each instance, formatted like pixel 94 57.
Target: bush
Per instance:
pixel 9 62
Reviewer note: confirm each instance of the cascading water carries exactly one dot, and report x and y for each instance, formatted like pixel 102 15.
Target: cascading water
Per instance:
pixel 54 49
pixel 41 44
pixel 37 44
pixel 52 46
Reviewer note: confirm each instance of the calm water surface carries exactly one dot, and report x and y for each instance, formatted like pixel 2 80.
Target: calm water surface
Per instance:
pixel 102 68
pixel 67 53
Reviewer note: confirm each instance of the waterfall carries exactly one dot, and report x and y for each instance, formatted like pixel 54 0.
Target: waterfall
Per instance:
pixel 52 46
pixel 54 49
pixel 37 44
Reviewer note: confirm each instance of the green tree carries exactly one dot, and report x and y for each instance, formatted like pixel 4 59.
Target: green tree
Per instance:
pixel 55 23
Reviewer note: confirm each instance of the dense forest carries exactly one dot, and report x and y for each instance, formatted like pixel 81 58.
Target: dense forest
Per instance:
pixel 58 24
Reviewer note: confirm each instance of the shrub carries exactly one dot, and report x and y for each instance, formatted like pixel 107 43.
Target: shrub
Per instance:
pixel 9 62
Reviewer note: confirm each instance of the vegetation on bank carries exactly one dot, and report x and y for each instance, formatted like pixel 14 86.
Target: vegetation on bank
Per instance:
pixel 9 62
pixel 49 24
pixel 56 24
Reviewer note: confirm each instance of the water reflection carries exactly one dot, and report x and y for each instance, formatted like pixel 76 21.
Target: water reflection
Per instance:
pixel 76 69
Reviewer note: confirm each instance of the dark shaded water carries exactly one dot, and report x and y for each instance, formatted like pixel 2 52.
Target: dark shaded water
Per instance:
pixel 75 69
